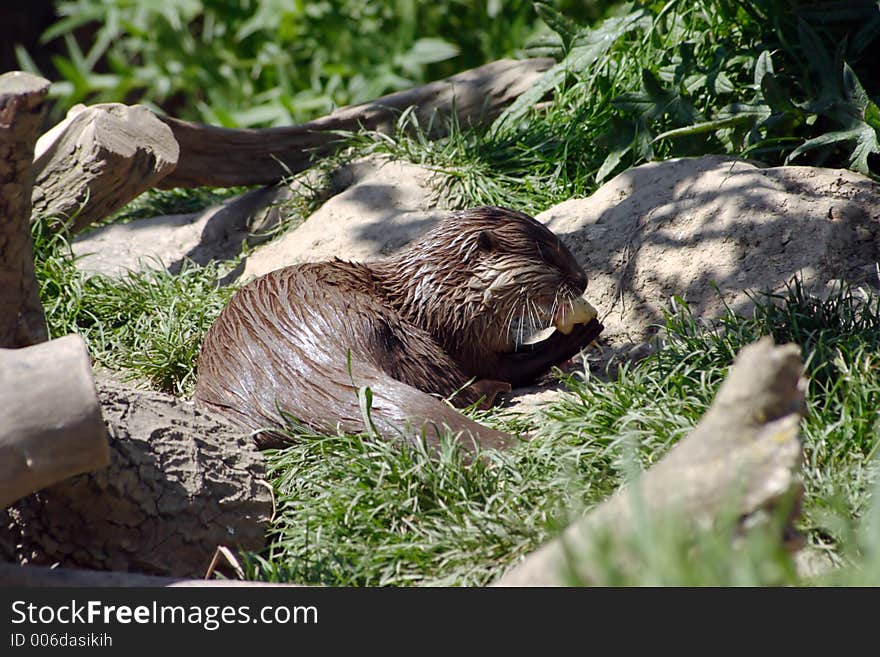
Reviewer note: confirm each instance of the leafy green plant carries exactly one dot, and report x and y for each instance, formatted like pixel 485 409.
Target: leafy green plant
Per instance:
pixel 842 101
pixel 578 49
pixel 818 105
pixel 272 62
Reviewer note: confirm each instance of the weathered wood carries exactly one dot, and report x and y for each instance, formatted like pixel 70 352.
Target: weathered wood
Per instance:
pixel 22 105
pixel 179 485
pixel 224 157
pixel 42 576
pixel 50 420
pixel 98 159
pixel 745 451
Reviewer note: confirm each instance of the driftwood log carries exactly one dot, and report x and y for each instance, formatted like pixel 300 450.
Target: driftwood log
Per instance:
pixel 98 159
pixel 745 451
pixel 224 157
pixel 101 157
pixel 22 105
pixel 179 485
pixel 50 420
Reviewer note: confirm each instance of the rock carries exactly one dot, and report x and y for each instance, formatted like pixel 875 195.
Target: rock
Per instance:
pixel 527 400
pixel 375 206
pixel 684 226
pixel 813 563
pixel 180 483
pixel 216 233
pixel 386 205
pixel 664 229
pixel 153 243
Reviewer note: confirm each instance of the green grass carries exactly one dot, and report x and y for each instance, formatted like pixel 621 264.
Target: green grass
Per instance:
pixel 147 325
pixel 840 341
pixel 357 512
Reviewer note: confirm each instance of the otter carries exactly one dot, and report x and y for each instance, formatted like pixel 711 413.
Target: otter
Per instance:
pixel 486 300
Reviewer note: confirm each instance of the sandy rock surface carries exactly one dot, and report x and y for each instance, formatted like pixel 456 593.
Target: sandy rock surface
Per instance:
pixel 685 226
pixel 387 205
pixel 155 242
pixel 216 233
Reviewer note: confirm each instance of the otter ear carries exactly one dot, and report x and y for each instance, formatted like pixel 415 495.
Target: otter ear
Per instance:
pixel 487 241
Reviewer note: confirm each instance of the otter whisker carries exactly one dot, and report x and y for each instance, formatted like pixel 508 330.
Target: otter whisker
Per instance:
pixel 554 307
pixel 509 319
pixel 534 315
pixel 522 312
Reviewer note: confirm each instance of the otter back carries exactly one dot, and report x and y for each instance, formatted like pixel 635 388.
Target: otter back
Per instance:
pixel 283 342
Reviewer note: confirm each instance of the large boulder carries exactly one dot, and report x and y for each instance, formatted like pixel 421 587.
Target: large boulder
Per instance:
pixel 711 229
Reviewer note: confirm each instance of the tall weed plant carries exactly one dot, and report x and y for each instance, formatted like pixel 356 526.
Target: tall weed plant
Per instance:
pixel 781 83
pixel 274 62
pixel 786 82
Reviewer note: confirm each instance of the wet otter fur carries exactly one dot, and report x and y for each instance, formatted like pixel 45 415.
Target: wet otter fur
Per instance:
pixel 449 309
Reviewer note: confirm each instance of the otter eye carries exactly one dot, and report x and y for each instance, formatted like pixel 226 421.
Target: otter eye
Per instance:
pixel 487 241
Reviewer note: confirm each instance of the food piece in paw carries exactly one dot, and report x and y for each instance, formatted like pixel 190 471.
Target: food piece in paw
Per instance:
pixel 579 311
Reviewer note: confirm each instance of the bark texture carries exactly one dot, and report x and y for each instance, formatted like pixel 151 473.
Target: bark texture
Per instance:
pixel 98 159
pixel 179 485
pixel 50 420
pixel 22 105
pixel 224 157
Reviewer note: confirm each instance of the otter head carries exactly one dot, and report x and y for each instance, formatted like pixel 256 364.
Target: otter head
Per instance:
pixel 486 279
